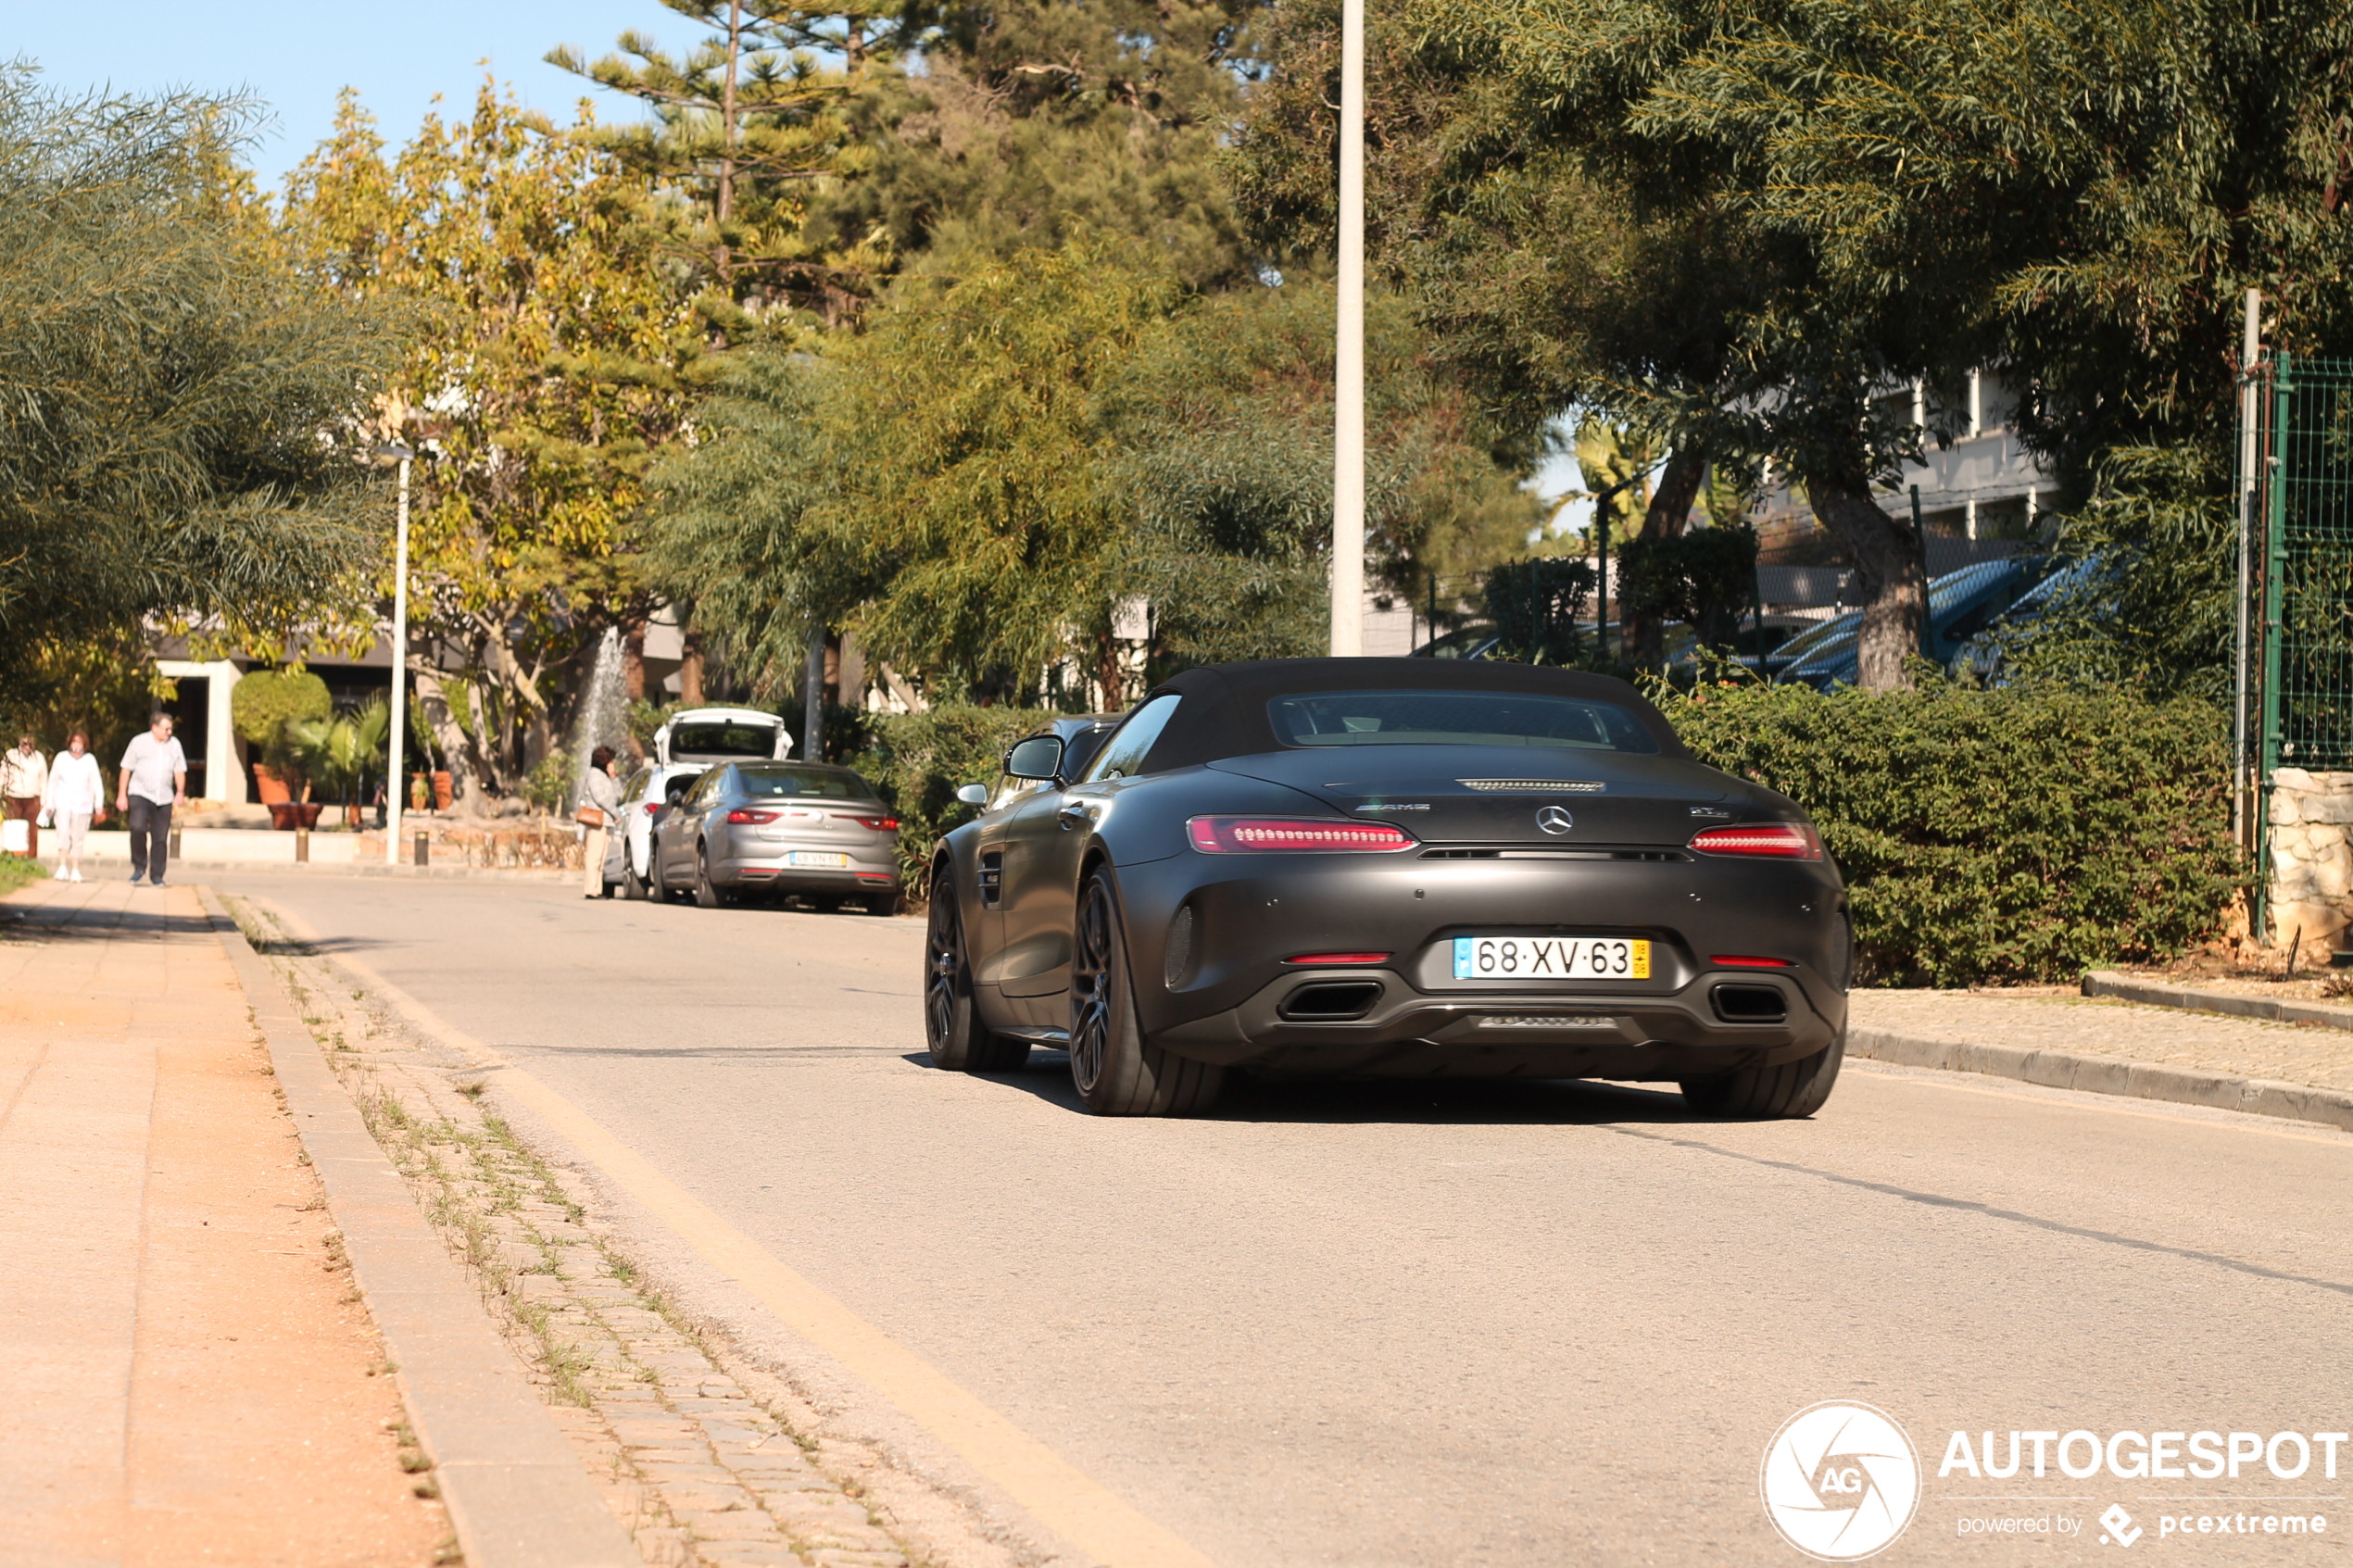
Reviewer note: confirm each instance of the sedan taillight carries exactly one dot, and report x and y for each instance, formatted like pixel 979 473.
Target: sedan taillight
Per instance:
pixel 651 807
pixel 746 814
pixel 1259 835
pixel 880 824
pixel 1775 841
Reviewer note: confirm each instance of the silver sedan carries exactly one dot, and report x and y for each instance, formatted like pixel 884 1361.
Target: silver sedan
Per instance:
pixel 779 827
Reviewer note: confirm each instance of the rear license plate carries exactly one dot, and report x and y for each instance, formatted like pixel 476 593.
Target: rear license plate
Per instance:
pixel 1552 958
pixel 817 858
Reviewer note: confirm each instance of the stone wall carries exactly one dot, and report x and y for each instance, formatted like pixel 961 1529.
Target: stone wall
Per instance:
pixel 2312 866
pixel 539 845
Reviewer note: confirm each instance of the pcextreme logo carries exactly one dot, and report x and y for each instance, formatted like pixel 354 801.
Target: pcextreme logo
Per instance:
pixel 1841 1481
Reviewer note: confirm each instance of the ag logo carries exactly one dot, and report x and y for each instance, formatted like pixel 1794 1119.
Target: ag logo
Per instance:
pixel 1556 819
pixel 1841 1481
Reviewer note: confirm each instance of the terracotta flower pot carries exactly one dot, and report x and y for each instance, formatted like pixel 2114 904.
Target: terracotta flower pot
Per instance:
pixel 269 786
pixel 445 789
pixel 420 792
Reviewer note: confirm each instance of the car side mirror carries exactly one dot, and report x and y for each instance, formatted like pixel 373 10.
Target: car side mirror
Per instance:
pixel 1040 756
pixel 973 795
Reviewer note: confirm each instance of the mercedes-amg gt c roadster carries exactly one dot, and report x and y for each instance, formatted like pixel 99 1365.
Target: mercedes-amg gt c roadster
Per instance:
pixel 1388 866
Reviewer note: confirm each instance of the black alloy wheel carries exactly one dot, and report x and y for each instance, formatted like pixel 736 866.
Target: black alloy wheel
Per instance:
pixel 952 1029
pixel 708 894
pixel 1117 1072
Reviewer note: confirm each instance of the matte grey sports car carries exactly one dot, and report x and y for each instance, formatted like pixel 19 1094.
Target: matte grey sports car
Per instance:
pixel 1391 866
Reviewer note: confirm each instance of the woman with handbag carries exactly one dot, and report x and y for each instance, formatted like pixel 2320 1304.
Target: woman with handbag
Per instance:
pixel 75 797
pixel 600 815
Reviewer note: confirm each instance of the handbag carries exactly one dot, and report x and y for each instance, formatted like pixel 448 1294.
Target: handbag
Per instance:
pixel 589 817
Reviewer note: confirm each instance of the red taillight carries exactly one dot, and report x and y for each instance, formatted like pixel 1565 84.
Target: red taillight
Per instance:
pixel 1781 841
pixel 1743 961
pixel 651 807
pixel 1338 959
pixel 1259 835
pixel 880 824
pixel 746 814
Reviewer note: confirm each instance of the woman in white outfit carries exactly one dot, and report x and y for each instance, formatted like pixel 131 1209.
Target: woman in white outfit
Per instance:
pixel 74 798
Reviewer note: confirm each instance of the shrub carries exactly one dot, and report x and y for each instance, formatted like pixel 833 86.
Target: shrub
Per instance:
pixel 918 760
pixel 264 703
pixel 2020 835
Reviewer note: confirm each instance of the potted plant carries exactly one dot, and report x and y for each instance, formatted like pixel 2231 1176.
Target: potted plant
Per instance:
pixel 260 707
pixel 340 754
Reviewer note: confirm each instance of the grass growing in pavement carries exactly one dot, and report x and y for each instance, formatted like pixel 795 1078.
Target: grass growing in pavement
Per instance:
pixel 16 871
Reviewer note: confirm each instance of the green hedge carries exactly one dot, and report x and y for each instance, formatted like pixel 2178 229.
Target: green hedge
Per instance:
pixel 918 760
pixel 2011 836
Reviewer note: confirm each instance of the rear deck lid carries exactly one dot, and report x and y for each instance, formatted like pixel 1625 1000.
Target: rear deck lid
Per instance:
pixel 1508 795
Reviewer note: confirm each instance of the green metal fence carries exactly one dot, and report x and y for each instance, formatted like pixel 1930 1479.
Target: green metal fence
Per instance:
pixel 2304 592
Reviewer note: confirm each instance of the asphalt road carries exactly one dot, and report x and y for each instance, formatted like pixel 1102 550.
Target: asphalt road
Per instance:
pixel 1360 1325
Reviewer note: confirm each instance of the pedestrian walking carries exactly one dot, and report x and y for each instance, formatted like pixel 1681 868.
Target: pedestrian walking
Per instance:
pixel 24 773
pixel 600 799
pixel 75 798
pixel 154 779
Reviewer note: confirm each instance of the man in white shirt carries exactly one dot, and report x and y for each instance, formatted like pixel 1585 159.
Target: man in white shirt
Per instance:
pixel 154 779
pixel 24 774
pixel 76 796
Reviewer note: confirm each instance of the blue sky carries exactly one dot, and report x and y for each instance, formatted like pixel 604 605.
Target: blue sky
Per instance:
pixel 297 57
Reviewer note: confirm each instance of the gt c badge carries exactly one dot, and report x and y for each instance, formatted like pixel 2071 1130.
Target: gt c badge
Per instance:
pixel 1556 819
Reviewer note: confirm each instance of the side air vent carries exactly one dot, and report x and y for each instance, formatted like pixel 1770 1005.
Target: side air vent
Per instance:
pixel 1333 1002
pixel 1177 958
pixel 1749 1004
pixel 1535 786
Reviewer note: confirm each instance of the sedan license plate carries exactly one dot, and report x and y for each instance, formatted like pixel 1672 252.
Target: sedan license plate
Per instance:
pixel 1552 958
pixel 826 858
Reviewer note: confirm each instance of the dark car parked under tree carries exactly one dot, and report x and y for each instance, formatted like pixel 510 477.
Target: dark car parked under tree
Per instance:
pixel 1401 867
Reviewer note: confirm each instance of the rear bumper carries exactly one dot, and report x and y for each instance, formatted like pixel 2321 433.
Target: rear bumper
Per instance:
pixel 771 868
pixel 1551 1034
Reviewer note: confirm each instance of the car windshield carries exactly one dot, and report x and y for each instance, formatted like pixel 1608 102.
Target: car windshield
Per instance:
pixel 833 784
pixel 724 740
pixel 1456 717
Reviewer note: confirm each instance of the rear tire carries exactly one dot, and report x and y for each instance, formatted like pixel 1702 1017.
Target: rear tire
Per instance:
pixel 958 1040
pixel 1795 1088
pixel 1119 1072
pixel 632 885
pixel 708 894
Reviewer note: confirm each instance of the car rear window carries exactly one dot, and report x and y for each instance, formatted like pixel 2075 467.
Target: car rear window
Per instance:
pixel 833 784
pixel 1456 717
pixel 724 740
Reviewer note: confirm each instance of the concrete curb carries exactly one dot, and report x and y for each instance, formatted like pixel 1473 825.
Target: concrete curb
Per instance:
pixel 2193 999
pixel 516 1492
pixel 2110 1076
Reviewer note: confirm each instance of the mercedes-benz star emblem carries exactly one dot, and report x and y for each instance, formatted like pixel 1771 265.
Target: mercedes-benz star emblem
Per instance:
pixel 1556 819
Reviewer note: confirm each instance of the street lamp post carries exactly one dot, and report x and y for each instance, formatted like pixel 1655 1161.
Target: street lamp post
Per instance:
pixel 398 743
pixel 1348 392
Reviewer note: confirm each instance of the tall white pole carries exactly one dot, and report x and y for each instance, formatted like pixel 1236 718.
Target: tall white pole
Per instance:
pixel 2250 350
pixel 396 753
pixel 1348 433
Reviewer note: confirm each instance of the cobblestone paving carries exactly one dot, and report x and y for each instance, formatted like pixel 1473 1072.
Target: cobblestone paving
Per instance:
pixel 2050 1020
pixel 700 1471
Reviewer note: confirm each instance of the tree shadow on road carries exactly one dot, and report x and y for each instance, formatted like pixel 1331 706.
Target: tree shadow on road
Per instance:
pixel 1471 1101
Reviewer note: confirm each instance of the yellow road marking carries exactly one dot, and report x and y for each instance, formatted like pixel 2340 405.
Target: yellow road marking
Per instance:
pixel 1063 1497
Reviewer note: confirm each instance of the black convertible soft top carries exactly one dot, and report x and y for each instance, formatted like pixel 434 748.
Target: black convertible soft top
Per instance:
pixel 1224 713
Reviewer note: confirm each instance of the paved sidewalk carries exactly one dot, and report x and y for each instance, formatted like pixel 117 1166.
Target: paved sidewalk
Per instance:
pixel 2051 1019
pixel 185 1375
